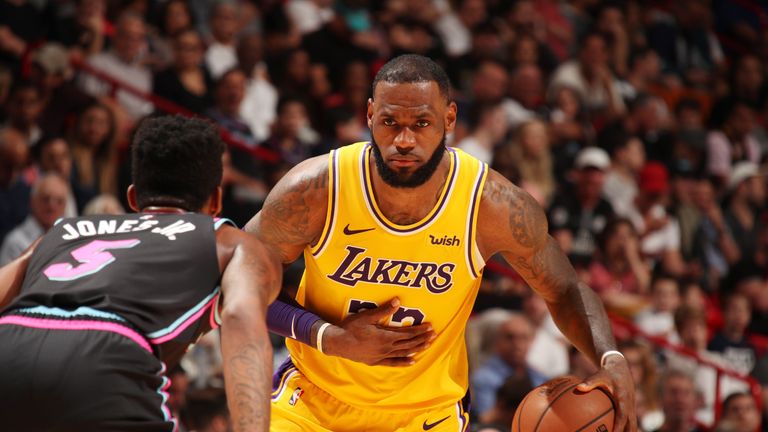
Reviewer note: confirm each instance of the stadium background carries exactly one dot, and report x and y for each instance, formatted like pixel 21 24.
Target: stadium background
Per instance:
pixel 639 125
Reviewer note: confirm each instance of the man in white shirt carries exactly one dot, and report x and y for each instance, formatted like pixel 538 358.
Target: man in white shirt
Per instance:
pixel 259 107
pixel 124 62
pixel 221 56
pixel 49 197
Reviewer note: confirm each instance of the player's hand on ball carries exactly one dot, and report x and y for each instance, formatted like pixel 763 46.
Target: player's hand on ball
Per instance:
pixel 616 378
pixel 362 338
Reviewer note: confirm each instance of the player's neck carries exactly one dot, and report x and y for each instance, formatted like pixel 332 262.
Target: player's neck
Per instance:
pixel 163 210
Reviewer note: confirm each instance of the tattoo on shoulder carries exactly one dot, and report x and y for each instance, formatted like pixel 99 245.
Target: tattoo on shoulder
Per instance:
pixel 524 219
pixel 288 213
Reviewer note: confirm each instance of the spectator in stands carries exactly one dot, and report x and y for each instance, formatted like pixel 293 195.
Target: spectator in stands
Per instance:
pixel 576 218
pixel 691 326
pixel 513 340
pixel 487 128
pixel 684 182
pixel 715 247
pixel 94 150
pixel 23 108
pixel 531 151
pixel 659 231
pixel 221 55
pixel 187 81
pixel 526 95
pixel 174 16
pixel 731 341
pixel 751 280
pixel 644 374
pixel 570 127
pixel 61 99
pixel 739 414
pixel 86 31
pixel 343 128
pixel 488 87
pixel 49 196
pixel 292 137
pixel 619 274
pixel 229 94
pixel 591 76
pixel 627 159
pixel 732 142
pixel 648 119
pixel 659 318
pixel 748 81
pixel 548 353
pixel 643 74
pixel 207 411
pixel 14 191
pixel 21 25
pixel 508 397
pixel 309 15
pixel 124 63
pixel 686 44
pixel 746 203
pixel 259 107
pixel 104 204
pixel 55 157
pixel 678 401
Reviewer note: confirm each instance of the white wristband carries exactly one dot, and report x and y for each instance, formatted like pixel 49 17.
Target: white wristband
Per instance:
pixel 607 354
pixel 320 336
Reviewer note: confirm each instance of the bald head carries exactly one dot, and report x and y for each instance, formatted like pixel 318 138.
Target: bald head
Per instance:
pixel 49 198
pixel 513 340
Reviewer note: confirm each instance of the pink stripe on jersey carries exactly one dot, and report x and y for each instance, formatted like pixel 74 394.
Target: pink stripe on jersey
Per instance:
pixel 53 324
pixel 185 324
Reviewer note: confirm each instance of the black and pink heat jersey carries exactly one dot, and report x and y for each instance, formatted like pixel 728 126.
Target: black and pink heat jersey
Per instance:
pixel 157 273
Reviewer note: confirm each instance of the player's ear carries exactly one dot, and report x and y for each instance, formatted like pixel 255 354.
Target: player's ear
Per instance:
pixel 450 117
pixel 131 195
pixel 213 206
pixel 369 114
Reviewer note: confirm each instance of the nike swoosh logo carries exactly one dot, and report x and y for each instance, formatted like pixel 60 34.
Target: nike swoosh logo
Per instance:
pixel 348 231
pixel 426 426
pixel 293 329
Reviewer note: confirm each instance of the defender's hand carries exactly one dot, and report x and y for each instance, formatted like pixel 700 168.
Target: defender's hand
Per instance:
pixel 616 378
pixel 361 337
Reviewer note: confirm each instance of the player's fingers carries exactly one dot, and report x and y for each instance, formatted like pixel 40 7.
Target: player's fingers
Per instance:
pixel 410 351
pixel 396 361
pixel 414 341
pixel 383 311
pixel 411 331
pixel 596 381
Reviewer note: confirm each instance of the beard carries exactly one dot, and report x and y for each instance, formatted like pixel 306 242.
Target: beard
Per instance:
pixel 403 179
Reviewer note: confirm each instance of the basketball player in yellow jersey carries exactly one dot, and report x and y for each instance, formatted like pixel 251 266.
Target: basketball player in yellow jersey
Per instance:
pixel 404 225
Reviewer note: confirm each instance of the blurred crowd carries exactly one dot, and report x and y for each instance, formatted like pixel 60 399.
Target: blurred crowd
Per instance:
pixel 641 126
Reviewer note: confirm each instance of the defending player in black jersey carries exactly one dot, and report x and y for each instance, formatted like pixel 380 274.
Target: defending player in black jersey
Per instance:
pixel 96 311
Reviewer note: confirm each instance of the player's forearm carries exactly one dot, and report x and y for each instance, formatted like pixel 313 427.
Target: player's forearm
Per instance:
pixel 12 276
pixel 292 321
pixel 581 317
pixel 247 355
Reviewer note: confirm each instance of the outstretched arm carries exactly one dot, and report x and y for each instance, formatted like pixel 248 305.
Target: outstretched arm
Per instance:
pixel 513 224
pixel 12 275
pixel 250 281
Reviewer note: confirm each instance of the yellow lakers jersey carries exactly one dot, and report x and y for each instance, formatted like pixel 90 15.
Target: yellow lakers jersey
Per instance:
pixel 363 260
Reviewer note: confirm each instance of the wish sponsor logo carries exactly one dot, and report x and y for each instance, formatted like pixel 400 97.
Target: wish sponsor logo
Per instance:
pixel 444 240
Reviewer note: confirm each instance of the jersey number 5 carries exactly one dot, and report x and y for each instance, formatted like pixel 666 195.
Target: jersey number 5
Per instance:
pixel 92 258
pixel 402 317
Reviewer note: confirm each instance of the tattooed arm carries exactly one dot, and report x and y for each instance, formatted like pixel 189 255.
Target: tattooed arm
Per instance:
pixel 250 281
pixel 513 224
pixel 294 212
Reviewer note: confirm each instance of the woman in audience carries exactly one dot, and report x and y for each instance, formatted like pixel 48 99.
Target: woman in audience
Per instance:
pixel 531 152
pixel 187 81
pixel 94 150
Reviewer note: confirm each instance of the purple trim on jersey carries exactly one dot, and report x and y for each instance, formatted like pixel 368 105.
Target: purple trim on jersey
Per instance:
pixel 371 201
pixel 470 243
pixel 189 317
pixel 54 324
pixel 281 377
pixel 329 222
pixel 291 321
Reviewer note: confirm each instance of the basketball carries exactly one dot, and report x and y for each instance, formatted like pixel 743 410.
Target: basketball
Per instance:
pixel 556 406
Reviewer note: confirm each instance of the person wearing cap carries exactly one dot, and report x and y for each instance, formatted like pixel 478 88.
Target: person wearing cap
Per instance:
pixel 746 202
pixel 578 216
pixel 659 231
pixel 52 74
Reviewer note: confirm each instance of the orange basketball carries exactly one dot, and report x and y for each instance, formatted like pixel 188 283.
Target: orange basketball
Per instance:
pixel 556 406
